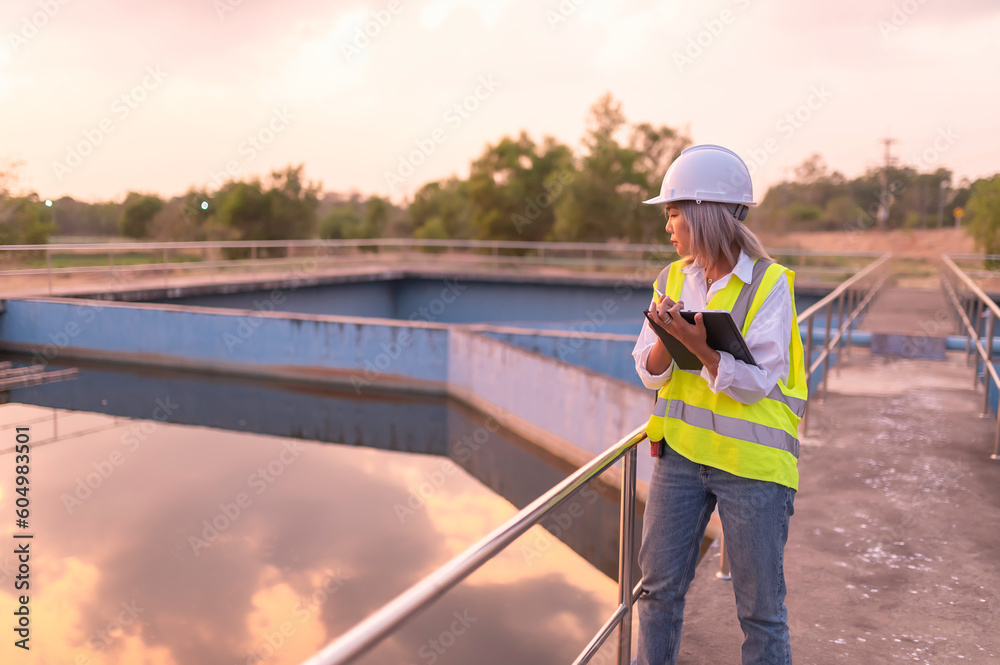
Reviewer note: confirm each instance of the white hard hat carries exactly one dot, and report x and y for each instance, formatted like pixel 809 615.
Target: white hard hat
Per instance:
pixel 707 173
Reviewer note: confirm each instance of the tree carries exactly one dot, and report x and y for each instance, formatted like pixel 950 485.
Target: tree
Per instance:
pixel 184 218
pixel 514 185
pixel 342 222
pixel 137 214
pixel 605 201
pixel 24 220
pixel 442 210
pixel 983 211
pixel 285 210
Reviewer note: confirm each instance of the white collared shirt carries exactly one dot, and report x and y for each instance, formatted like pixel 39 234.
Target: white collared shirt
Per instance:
pixel 768 337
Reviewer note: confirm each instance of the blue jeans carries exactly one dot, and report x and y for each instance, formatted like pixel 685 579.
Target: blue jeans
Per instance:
pixel 754 514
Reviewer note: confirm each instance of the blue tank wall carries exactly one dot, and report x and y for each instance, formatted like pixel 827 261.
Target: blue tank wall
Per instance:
pixel 605 308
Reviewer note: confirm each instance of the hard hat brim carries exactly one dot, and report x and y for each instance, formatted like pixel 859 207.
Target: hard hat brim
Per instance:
pixel 656 200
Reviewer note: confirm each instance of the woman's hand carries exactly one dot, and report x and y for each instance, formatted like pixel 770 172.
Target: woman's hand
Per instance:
pixel 660 313
pixel 692 335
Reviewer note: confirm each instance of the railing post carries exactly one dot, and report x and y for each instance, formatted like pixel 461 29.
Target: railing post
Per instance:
pixel 48 266
pixel 987 380
pixel 166 270
pixel 968 333
pixel 996 442
pixel 809 360
pixel 826 348
pixel 626 552
pixel 973 338
pixel 840 328
pixel 850 323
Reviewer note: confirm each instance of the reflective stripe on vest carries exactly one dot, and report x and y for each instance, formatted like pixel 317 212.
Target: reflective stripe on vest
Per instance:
pixel 734 428
pixel 798 406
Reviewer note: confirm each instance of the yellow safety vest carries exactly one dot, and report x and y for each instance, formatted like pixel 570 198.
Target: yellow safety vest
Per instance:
pixel 760 440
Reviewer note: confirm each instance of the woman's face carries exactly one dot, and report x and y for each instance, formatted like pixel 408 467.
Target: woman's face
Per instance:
pixel 677 227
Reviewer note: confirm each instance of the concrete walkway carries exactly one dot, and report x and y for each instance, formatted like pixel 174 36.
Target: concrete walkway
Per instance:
pixel 894 550
pixel 908 311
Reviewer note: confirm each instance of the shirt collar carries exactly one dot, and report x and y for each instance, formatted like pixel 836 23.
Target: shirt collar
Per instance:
pixel 743 269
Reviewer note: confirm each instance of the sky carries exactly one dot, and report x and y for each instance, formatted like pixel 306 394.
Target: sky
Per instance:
pixel 102 97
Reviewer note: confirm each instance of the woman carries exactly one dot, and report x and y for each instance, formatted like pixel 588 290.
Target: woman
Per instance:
pixel 726 435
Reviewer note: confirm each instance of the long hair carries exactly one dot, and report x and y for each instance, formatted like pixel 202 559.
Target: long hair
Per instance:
pixel 715 231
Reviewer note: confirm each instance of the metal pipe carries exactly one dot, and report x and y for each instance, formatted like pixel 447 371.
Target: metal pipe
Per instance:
pixel 973 336
pixel 840 330
pixel 48 267
pixel 826 348
pixel 987 382
pixel 365 635
pixel 595 644
pixel 996 442
pixel 626 549
pixel 851 299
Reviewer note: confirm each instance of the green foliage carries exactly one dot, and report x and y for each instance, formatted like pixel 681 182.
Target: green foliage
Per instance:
pixel 822 200
pixel 983 214
pixel 442 207
pixel 604 201
pixel 512 188
pixel 79 218
pixel 137 214
pixel 526 191
pixel 342 222
pixel 286 209
pixel 185 218
pixel 24 220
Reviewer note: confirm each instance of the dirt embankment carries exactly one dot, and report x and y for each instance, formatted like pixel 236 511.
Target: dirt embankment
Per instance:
pixel 921 244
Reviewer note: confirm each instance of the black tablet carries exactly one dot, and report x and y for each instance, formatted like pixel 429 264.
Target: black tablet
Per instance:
pixel 721 334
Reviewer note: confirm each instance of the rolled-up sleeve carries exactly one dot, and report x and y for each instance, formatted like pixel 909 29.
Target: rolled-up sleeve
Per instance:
pixel 767 338
pixel 643 345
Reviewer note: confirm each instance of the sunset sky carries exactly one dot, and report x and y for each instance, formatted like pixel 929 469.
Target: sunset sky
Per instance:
pixel 99 97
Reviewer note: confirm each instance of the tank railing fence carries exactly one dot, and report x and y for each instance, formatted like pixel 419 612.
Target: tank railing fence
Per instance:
pixel 855 294
pixel 303 256
pixel 977 315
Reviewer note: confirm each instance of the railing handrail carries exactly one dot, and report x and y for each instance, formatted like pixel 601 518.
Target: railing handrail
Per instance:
pixel 399 242
pixel 950 264
pixel 369 632
pixel 843 286
pixel 971 312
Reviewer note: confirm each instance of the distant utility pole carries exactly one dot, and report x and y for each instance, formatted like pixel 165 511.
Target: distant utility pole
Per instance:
pixel 886 199
pixel 941 194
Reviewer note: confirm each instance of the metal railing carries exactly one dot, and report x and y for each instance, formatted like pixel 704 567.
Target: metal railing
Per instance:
pixel 365 635
pixel 207 256
pixel 852 296
pixel 972 306
pixel 855 294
